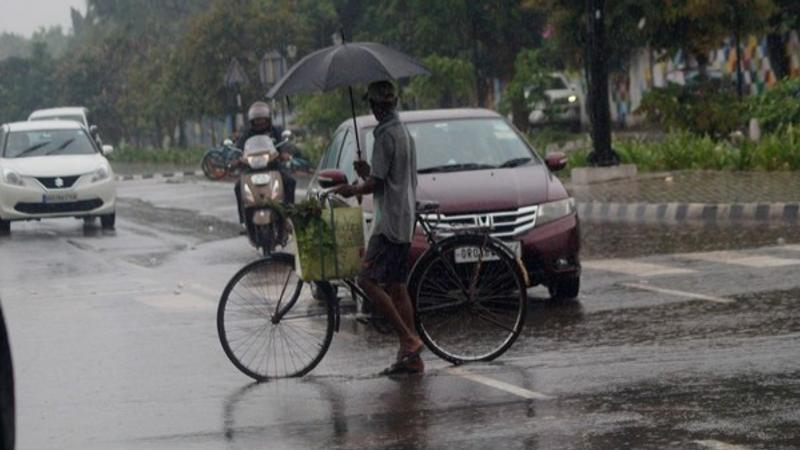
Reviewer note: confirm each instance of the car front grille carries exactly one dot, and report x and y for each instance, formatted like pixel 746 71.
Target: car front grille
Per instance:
pixel 51 183
pixel 501 224
pixel 53 208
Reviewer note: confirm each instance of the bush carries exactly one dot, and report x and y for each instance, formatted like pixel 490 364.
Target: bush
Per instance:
pixel 707 107
pixel 176 156
pixel 686 151
pixel 777 107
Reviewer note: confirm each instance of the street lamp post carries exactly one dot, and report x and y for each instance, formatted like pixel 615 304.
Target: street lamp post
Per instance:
pixel 271 69
pixel 235 78
pixel 602 154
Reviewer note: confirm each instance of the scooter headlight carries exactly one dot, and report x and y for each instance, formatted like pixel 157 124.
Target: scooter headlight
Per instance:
pixel 258 161
pixel 12 177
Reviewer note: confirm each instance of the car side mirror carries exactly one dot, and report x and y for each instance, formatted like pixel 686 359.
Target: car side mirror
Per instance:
pixel 329 178
pixel 93 130
pixel 556 161
pixel 107 150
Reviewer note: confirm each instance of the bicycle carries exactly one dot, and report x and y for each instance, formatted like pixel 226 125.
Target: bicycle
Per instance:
pixel 219 163
pixel 468 291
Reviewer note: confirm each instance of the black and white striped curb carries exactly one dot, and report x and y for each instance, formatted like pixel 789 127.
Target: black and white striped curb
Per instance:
pixel 689 212
pixel 161 176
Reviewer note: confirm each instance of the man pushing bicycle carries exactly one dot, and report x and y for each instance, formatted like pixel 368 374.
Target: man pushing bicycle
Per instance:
pixel 392 180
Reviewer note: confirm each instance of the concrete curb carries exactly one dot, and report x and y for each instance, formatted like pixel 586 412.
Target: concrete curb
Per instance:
pixel 690 212
pixel 161 176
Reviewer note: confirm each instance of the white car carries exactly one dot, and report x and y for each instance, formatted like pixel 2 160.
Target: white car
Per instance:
pixel 74 113
pixel 561 103
pixel 54 169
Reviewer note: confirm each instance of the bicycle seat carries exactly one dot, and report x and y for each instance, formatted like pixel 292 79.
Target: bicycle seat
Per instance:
pixel 427 206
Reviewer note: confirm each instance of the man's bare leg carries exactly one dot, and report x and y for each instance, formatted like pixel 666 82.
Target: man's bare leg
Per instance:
pixel 409 341
pixel 402 302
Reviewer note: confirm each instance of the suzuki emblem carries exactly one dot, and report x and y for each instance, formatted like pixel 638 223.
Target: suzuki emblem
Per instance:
pixel 59 182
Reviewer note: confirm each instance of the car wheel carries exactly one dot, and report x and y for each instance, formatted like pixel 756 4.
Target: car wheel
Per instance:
pixel 565 288
pixel 5 227
pixel 107 221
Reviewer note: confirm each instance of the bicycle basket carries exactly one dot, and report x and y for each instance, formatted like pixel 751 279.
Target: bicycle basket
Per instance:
pixel 333 249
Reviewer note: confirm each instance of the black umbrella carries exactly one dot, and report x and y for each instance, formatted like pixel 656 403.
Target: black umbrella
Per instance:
pixel 345 65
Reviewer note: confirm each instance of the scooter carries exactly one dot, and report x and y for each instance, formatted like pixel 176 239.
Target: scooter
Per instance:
pixel 262 193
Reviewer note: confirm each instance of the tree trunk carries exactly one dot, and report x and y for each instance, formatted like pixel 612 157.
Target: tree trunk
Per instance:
pixel 778 57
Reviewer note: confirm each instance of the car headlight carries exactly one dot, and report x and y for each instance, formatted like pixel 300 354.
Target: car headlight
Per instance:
pixel 12 177
pixel 100 174
pixel 551 211
pixel 572 98
pixel 258 161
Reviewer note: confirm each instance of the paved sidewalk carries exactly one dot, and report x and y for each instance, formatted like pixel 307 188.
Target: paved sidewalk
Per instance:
pixel 693 196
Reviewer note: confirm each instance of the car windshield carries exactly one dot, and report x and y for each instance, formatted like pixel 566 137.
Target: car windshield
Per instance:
pixel 71 118
pixel 22 144
pixel 465 144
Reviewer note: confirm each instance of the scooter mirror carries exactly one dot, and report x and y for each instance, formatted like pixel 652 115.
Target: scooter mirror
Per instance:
pixel 286 135
pixel 227 143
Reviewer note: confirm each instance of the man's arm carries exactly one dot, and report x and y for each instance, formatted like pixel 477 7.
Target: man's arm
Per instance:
pixel 368 187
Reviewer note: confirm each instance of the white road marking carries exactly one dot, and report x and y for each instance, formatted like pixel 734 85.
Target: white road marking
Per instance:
pixel 741 259
pixel 636 268
pixel 677 293
pixel 503 386
pixel 719 445
pixel 794 247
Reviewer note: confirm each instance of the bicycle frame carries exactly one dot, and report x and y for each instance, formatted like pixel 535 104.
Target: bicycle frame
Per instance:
pixel 431 238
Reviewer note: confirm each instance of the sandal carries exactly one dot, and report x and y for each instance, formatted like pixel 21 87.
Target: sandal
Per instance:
pixel 404 368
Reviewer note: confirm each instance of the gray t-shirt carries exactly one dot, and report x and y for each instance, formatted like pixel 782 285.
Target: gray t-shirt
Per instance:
pixel 394 160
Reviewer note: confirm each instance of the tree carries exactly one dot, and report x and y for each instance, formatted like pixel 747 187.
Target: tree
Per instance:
pixel 451 83
pixel 27 84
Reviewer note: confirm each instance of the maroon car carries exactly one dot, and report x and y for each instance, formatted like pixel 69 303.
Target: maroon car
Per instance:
pixel 482 172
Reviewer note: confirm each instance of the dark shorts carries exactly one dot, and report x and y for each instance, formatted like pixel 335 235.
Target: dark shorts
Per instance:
pixel 385 261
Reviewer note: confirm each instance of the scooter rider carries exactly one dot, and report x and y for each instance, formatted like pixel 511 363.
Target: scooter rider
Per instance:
pixel 260 118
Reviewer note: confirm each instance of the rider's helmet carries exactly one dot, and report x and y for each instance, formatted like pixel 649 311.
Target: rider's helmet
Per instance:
pixel 260 116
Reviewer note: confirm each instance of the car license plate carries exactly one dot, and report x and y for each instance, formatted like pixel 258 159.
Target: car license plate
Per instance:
pixel 60 198
pixel 473 254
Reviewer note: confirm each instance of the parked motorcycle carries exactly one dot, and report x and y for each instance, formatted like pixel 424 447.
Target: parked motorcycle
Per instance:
pixel 262 193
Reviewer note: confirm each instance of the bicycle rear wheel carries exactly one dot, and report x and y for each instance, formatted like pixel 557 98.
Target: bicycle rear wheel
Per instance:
pixel 468 307
pixel 213 165
pixel 269 324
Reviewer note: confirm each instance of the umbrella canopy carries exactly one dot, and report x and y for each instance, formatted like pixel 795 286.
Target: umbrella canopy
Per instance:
pixel 345 65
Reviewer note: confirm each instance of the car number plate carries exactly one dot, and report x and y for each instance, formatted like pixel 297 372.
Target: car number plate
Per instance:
pixel 60 198
pixel 473 254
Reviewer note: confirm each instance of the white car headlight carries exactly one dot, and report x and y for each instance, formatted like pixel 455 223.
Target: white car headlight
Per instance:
pixel 100 174
pixel 12 177
pixel 572 98
pixel 551 211
pixel 258 161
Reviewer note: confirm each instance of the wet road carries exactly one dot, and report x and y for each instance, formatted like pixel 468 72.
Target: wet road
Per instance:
pixel 682 338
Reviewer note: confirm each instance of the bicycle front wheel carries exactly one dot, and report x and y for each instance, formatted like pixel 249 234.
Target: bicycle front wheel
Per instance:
pixel 470 299
pixel 269 324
